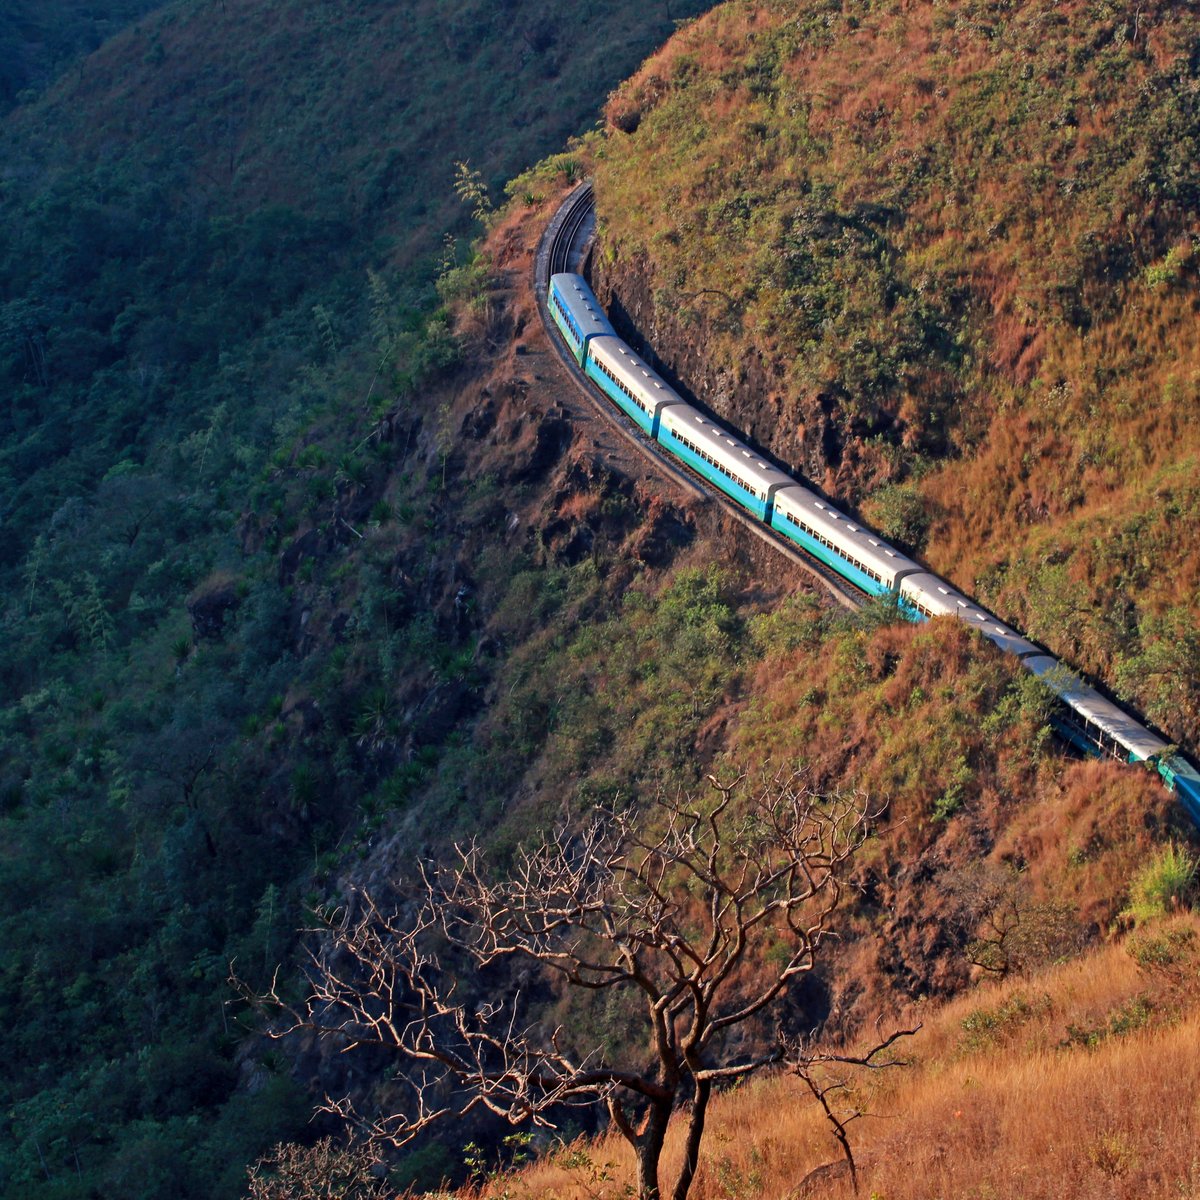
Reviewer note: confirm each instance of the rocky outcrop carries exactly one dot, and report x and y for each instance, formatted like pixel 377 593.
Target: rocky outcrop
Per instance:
pixel 210 605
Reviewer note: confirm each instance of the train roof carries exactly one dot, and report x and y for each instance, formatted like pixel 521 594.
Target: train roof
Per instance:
pixel 582 304
pixel 939 599
pixel 634 372
pixel 724 447
pixel 1088 702
pixel 843 531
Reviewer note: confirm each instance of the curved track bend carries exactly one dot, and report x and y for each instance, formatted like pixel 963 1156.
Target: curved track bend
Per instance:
pixel 565 246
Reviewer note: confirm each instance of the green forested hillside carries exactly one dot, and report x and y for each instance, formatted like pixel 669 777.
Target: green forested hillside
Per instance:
pixel 218 242
pixel 305 565
pixel 41 38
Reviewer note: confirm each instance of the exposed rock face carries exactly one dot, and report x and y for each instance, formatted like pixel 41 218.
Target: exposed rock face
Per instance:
pixel 441 711
pixel 538 444
pixel 307 545
pixel 210 606
pixel 664 534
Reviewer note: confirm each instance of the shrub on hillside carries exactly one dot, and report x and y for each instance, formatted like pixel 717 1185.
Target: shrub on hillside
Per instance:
pixel 1166 882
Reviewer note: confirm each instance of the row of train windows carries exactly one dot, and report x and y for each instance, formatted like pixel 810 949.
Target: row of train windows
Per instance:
pixel 820 537
pixel 921 607
pixel 562 308
pixel 708 458
pixel 636 399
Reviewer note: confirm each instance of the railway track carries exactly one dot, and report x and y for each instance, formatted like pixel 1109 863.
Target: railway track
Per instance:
pixel 581 208
pixel 561 250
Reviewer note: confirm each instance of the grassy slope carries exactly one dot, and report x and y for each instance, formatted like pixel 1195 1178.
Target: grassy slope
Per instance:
pixel 168 854
pixel 965 238
pixel 1078 1081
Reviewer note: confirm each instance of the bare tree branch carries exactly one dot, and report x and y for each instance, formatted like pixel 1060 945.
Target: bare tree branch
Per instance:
pixel 805 1061
pixel 674 906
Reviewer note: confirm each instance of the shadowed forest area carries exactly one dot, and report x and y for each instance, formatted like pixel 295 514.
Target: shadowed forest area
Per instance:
pixel 221 233
pixel 40 39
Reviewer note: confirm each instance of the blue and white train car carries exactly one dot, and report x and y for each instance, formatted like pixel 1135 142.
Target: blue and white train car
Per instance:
pixel 577 313
pixel 926 595
pixel 1102 723
pixel 1184 780
pixel 629 382
pixel 854 552
pixel 723 460
pixel 1093 723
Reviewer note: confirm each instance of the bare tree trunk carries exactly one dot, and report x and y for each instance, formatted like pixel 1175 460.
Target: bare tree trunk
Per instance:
pixel 637 904
pixel 691 1153
pixel 649 1149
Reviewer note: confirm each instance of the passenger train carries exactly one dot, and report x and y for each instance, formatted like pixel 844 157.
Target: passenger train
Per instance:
pixel 1089 721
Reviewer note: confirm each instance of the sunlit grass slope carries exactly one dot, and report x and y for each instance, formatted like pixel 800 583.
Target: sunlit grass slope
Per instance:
pixel 962 240
pixel 1079 1081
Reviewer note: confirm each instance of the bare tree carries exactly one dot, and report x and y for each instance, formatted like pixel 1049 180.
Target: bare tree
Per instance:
pixel 678 907
pixel 1006 929
pixel 825 1074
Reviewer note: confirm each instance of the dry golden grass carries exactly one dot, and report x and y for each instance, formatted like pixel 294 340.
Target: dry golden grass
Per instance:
pixel 1005 1098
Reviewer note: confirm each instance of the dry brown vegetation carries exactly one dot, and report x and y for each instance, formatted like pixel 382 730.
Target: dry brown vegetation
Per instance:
pixel 951 249
pixel 1079 1081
